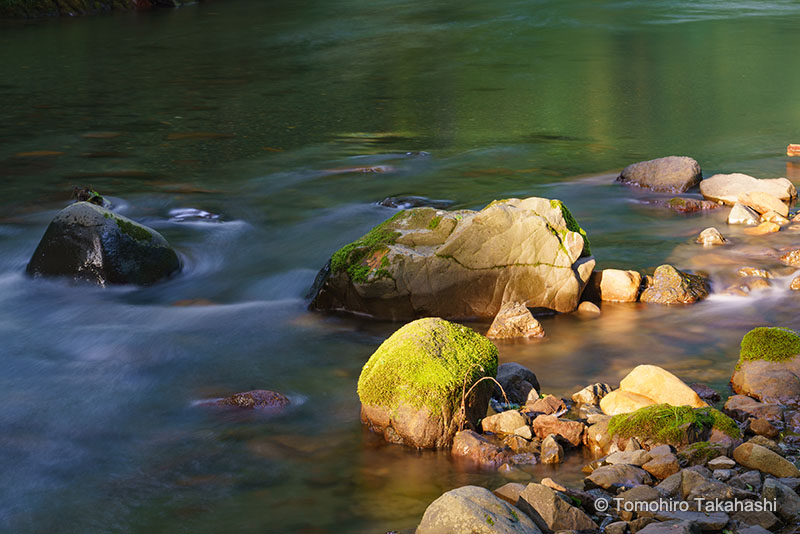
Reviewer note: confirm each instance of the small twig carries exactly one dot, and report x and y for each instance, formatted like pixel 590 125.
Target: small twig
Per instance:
pixel 465 393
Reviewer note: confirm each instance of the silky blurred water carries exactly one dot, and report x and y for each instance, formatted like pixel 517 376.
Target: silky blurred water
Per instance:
pixel 265 115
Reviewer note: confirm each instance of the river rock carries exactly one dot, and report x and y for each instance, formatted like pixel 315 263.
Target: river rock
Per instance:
pixel 410 201
pixel 741 214
pixel 710 237
pixel 258 398
pixel 647 385
pixel 514 320
pixel 552 452
pixel 721 462
pixel 662 465
pixel 614 285
pixel 424 262
pixel 510 492
pixel 634 457
pixel 795 284
pixel 777 218
pixel 705 392
pixel 672 173
pixel 742 408
pixel 87 242
pixel 597 439
pixel 517 381
pixel 504 423
pixel 686 205
pixel 763 229
pixel 669 527
pixel 476 510
pixel 758 457
pixel 411 388
pixel 589 308
pixel 762 427
pixel 471 446
pixel 591 394
pixel 551 512
pixel 727 188
pixel 547 405
pixel 762 202
pixel 616 477
pixel 792 258
pixel 671 286
pixel 571 431
pixel 771 382
pixel 788 501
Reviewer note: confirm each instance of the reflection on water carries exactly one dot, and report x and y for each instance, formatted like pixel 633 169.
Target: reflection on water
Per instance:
pixel 258 138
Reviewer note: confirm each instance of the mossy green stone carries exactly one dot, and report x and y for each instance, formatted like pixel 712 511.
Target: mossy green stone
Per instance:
pixel 424 364
pixel 665 423
pixel 770 344
pixel 572 225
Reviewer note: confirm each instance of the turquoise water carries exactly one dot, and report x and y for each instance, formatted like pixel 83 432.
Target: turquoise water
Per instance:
pixel 266 114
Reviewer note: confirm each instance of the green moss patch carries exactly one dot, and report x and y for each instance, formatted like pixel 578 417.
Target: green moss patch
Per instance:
pixel 435 222
pixel 572 225
pixel 133 230
pixel 665 423
pixel 771 344
pixel 424 364
pixel 351 258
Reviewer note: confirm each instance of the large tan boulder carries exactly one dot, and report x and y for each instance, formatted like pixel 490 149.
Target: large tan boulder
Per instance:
pixel 425 262
pixel 619 401
pixel 411 388
pixel 647 385
pixel 727 188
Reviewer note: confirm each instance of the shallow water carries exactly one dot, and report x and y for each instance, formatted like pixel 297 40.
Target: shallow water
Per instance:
pixel 266 114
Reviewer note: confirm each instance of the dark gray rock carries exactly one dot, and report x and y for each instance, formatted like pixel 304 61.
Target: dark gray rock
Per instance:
pixel 672 527
pixel 788 501
pixel 517 382
pixel 86 242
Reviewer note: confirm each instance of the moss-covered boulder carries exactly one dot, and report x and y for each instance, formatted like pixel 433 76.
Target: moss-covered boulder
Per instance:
pixel 673 425
pixel 769 367
pixel 411 388
pixel 456 264
pixel 671 286
pixel 86 242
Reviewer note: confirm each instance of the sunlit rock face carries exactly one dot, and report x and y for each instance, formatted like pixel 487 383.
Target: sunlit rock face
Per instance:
pixel 452 264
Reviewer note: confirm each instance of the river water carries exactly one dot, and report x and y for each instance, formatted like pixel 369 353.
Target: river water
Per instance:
pixel 264 114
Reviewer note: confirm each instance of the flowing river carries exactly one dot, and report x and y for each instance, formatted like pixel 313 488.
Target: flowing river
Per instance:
pixel 258 137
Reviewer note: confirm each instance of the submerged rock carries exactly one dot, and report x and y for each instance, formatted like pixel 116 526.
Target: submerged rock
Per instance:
pixel 411 388
pixel 462 263
pixel 475 510
pixel 727 188
pixel 671 286
pixel 514 320
pixel 87 242
pixel 257 398
pixel 673 173
pixel 710 237
pixel 687 205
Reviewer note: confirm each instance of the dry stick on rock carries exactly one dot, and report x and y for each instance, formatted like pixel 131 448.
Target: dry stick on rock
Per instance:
pixel 465 394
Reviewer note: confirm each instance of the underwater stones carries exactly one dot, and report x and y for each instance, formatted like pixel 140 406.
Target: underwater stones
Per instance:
pixel 614 285
pixel 476 510
pixel 710 237
pixel 647 385
pixel 86 242
pixel 424 262
pixel 761 458
pixel 769 367
pixel 671 286
pixel 672 173
pixel 514 320
pixel 727 188
pixel 411 388
pixel 741 214
pixel 257 398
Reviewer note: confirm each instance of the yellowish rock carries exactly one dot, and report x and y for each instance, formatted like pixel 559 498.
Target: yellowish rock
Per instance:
pixel 514 320
pixel 619 401
pixel 661 386
pixel 775 217
pixel 763 202
pixel 795 285
pixel 763 229
pixel 588 308
pixel 614 285
pixel 753 271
